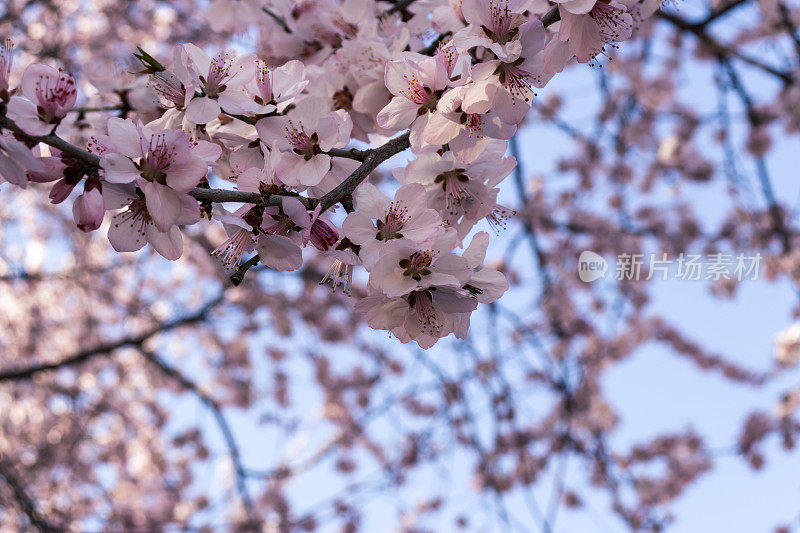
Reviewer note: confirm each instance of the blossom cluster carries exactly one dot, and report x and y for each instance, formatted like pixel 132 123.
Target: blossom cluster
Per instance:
pixel 279 125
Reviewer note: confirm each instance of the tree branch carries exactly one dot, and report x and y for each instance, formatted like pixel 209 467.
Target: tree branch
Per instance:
pixel 719 49
pixel 374 157
pixel 52 140
pixel 222 422
pixel 24 500
pixel 18 374
pixel 238 276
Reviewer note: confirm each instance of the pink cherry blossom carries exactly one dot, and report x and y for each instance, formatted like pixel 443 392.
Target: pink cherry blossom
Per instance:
pixel 221 80
pixel 424 316
pixel 302 137
pixel 486 284
pixel 465 133
pixel 417 83
pixel 49 94
pixel 241 234
pixel 587 32
pixel 134 226
pixel 404 266
pixel 505 87
pixel 89 209
pixel 493 24
pixel 278 86
pixel 340 274
pixel 463 193
pixel 165 165
pixel 283 232
pixel 16 161
pixel 404 217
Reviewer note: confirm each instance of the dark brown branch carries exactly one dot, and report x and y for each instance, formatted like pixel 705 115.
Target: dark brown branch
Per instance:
pixel 238 276
pixel 274 16
pixel 54 141
pixel 720 12
pixel 370 160
pixel 530 231
pixel 18 374
pixel 719 49
pixel 374 157
pixel 25 501
pixel 786 21
pixel 775 210
pixel 551 17
pixel 398 6
pixel 224 195
pixel 348 153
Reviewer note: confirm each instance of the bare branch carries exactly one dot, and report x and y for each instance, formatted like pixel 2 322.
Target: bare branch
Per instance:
pixel 719 49
pixel 219 417
pixel 25 501
pixel 54 141
pixel 18 374
pixel 374 157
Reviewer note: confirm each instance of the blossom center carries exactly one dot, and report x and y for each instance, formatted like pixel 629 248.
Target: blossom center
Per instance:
pixel 502 22
pixel 417 265
pixel 264 82
pixel 136 216
pixel 168 87
pixel 301 143
pixel 611 21
pixel 396 217
pixel 231 251
pixel 158 159
pixel 422 304
pixel 52 94
pixel 516 80
pixel 218 72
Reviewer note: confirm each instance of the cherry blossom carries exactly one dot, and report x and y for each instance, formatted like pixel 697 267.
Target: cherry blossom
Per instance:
pixel 416 83
pixel 16 160
pixel 493 25
pixel 403 217
pixel 505 87
pixel 89 208
pixel 221 80
pixel 463 193
pixel 165 165
pixel 49 94
pixel 283 232
pixel 241 234
pixel 465 133
pixel 278 86
pixel 588 26
pixel 266 147
pixel 424 316
pixel 302 137
pixel 405 266
pixel 135 226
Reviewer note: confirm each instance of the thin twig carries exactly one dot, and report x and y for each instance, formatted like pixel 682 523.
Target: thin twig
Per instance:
pixel 719 49
pixel 281 22
pixel 238 276
pixel 54 141
pixel 222 423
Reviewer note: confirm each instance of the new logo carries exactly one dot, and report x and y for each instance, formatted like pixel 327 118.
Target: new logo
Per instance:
pixel 591 267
